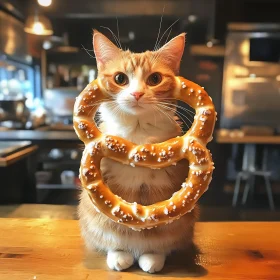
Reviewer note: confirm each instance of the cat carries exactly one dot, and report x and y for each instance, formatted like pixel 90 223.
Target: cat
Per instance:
pixel 141 85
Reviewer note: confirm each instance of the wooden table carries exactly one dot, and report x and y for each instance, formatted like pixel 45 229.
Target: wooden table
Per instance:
pixel 45 249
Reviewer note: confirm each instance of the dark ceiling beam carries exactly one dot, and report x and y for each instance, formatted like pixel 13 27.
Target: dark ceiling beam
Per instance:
pixel 82 8
pixel 16 8
pixel 124 8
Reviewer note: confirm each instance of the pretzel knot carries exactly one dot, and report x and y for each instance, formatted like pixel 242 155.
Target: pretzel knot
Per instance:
pixel 191 146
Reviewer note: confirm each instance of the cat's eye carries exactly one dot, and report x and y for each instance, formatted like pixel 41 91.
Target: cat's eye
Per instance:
pixel 154 79
pixel 121 79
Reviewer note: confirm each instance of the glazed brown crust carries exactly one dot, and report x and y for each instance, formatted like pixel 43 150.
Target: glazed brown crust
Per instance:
pixel 191 146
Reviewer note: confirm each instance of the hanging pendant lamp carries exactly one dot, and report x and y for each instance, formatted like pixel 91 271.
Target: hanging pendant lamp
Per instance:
pixel 38 25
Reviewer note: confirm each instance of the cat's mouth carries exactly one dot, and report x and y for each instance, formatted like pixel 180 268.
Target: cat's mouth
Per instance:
pixel 137 105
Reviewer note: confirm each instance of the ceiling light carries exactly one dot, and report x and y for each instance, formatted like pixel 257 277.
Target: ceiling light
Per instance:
pixel 38 25
pixel 45 3
pixel 47 45
pixel 192 18
pixel 131 35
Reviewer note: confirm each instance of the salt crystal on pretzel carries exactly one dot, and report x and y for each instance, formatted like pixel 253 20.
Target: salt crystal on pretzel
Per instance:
pixel 191 146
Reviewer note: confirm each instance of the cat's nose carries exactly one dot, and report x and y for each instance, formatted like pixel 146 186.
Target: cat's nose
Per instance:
pixel 137 95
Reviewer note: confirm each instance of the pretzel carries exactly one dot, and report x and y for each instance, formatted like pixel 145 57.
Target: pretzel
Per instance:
pixel 191 146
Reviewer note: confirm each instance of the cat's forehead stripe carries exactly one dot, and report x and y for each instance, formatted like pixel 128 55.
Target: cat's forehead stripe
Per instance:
pixel 136 61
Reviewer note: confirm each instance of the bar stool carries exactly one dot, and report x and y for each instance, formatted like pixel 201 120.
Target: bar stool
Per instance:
pixel 249 172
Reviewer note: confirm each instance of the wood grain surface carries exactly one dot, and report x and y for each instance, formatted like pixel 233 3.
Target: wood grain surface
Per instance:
pixel 7 160
pixel 52 249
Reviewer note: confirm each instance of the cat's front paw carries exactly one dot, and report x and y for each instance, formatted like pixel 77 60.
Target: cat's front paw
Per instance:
pixel 152 262
pixel 119 260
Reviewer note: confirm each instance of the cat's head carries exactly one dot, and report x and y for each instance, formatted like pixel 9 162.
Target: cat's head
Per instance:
pixel 138 81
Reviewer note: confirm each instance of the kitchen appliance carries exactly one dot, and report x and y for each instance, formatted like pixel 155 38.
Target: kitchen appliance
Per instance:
pixel 13 108
pixel 20 82
pixel 67 177
pixel 60 101
pixel 251 80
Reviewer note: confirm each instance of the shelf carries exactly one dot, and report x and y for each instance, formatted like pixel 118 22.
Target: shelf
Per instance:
pixel 56 187
pixel 203 50
pixel 59 165
pixel 60 162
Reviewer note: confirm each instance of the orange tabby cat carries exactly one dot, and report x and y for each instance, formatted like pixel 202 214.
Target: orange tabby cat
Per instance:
pixel 141 84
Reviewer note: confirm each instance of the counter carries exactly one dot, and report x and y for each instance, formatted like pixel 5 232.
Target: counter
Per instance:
pixel 17 169
pixel 43 138
pixel 38 135
pixel 13 151
pixel 49 142
pixel 53 249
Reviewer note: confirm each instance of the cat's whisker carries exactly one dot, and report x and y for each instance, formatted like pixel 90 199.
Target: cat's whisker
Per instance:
pixel 168 36
pixel 173 109
pixel 115 110
pixel 181 118
pixel 155 116
pixel 119 112
pixel 118 30
pixel 189 112
pixel 171 119
pixel 172 103
pixel 158 50
pixel 157 56
pixel 123 115
pixel 166 114
pixel 182 121
pixel 159 28
pixel 167 30
pixel 174 99
pixel 88 52
pixel 113 34
pixel 98 103
pixel 162 112
pixel 181 115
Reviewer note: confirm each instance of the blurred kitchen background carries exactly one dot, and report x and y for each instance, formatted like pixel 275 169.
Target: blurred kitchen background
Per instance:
pixel 46 59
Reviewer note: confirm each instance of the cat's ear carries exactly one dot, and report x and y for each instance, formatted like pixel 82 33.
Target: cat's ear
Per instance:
pixel 104 49
pixel 171 53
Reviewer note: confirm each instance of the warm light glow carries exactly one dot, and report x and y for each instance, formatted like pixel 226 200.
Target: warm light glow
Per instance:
pixel 192 18
pixel 38 28
pixel 9 43
pixel 45 3
pixel 11 68
pixel 131 35
pixel 209 44
pixel 38 25
pixel 47 45
pixel 244 48
pixel 241 71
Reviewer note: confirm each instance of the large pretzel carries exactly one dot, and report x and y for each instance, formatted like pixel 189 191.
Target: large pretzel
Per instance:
pixel 191 146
